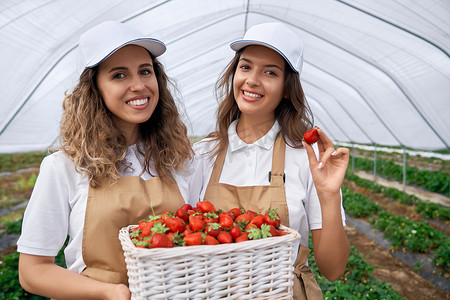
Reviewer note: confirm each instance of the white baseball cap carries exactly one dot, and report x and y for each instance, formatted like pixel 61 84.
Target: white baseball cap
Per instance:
pixel 278 37
pixel 102 40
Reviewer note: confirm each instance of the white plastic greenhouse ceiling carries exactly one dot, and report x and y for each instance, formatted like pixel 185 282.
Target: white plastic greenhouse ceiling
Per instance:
pixel 375 72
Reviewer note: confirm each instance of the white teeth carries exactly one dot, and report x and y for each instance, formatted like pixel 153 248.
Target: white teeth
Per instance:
pixel 138 101
pixel 252 95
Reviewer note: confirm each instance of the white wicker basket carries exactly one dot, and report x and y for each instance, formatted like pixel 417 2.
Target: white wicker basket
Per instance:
pixel 259 269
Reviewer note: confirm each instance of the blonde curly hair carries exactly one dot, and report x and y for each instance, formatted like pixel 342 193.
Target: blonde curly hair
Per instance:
pixel 89 136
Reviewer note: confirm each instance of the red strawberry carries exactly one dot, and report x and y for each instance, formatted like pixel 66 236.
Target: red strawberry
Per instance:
pixel 213 229
pixel 273 231
pixel 187 231
pixel 209 240
pixel 176 239
pixel 186 207
pixel 142 225
pixel 236 211
pixel 235 232
pixel 281 232
pixel 182 214
pixel 166 214
pixel 205 206
pixel 196 223
pixel 193 239
pixel 225 221
pixel 160 240
pixel 228 214
pixel 258 220
pixel 311 136
pixel 159 227
pixel 245 218
pixel 147 230
pixel 225 237
pixel 175 224
pixel 251 213
pixel 241 238
pixel 251 225
pixel 211 217
pixel 242 220
pixel 272 218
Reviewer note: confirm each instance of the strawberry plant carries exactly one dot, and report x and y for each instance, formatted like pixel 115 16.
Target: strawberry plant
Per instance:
pixel 426 209
pixel 358 205
pixel 356 283
pixel 434 181
pixel 402 232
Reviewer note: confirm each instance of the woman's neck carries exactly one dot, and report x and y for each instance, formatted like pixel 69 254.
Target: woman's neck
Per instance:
pixel 250 129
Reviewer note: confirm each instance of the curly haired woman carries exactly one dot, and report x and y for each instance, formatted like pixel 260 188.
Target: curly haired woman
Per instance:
pixel 124 152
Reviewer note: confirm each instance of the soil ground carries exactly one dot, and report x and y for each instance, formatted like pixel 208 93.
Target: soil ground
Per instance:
pixel 404 280
pixel 397 268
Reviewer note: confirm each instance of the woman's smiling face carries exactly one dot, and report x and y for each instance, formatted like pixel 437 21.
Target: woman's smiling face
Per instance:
pixel 129 87
pixel 258 82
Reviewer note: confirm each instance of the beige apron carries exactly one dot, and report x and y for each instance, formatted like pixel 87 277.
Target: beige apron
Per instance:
pixel 258 199
pixel 112 207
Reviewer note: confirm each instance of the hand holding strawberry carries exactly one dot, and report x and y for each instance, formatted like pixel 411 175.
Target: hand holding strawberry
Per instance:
pixel 328 172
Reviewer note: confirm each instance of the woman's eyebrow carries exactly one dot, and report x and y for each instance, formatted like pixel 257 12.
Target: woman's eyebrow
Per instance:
pixel 267 66
pixel 125 68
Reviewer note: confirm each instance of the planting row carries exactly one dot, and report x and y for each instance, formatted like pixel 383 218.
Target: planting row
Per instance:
pixel 356 283
pixel 426 209
pixel 403 233
pixel 434 181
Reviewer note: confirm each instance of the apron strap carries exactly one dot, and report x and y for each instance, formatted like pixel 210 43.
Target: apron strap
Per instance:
pixel 277 172
pixel 279 151
pixel 218 165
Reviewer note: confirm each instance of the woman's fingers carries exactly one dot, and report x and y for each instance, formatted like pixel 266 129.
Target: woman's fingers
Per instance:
pixel 313 163
pixel 325 156
pixel 341 153
pixel 324 141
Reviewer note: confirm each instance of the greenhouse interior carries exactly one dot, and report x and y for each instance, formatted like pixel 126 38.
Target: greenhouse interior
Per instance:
pixel 376 76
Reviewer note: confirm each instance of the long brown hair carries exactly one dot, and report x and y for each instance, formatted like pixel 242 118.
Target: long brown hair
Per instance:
pixel 293 113
pixel 91 139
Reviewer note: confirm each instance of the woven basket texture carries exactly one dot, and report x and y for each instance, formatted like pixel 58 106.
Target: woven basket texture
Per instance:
pixel 257 269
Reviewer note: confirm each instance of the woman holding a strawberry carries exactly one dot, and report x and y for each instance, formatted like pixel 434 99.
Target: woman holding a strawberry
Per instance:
pixel 257 160
pixel 125 153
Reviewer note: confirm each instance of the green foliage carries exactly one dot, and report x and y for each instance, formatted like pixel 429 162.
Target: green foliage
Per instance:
pixel 401 231
pixel 13 227
pixel 26 183
pixel 442 255
pixel 415 236
pixel 434 181
pixel 17 161
pixel 426 209
pixel 433 211
pixel 356 283
pixel 9 277
pixel 358 205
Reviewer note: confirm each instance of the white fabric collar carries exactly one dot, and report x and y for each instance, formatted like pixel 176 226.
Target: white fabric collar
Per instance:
pixel 266 142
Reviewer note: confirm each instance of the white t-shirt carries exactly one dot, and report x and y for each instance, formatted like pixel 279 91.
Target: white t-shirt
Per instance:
pixel 58 203
pixel 249 165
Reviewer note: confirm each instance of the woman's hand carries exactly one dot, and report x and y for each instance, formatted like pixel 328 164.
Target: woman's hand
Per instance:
pixel 328 173
pixel 331 247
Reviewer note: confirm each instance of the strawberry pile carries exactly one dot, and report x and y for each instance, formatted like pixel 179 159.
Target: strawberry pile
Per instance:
pixel 204 225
